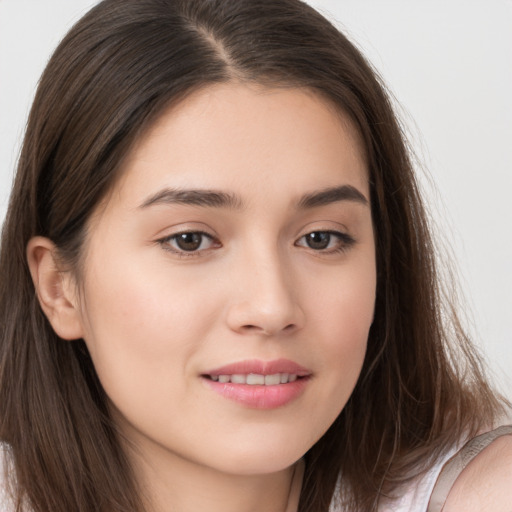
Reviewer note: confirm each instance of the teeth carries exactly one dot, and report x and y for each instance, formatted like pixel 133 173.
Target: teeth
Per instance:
pixel 255 379
pixel 272 380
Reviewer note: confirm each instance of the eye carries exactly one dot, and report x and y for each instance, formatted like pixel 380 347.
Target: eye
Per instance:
pixel 188 242
pixel 328 241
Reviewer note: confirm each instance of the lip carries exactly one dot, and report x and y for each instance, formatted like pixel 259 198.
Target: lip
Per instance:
pixel 261 367
pixel 260 396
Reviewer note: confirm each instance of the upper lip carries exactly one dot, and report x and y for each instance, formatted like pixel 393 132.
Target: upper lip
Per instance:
pixel 259 367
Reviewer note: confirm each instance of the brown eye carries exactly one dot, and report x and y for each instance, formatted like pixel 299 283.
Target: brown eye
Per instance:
pixel 318 240
pixel 188 242
pixel 326 241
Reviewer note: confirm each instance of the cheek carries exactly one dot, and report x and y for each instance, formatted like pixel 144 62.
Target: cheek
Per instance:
pixel 138 299
pixel 139 326
pixel 345 304
pixel 343 316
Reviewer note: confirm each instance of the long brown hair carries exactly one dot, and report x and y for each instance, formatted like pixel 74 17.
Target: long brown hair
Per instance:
pixel 421 388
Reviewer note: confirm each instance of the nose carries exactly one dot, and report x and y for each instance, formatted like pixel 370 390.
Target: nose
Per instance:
pixel 265 299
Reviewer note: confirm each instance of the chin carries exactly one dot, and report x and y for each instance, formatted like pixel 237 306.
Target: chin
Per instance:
pixel 260 466
pixel 263 456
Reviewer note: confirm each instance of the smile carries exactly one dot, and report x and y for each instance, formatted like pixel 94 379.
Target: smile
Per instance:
pixel 259 384
pixel 255 379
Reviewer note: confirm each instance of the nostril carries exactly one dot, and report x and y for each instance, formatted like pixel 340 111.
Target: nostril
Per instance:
pixel 251 327
pixel 267 331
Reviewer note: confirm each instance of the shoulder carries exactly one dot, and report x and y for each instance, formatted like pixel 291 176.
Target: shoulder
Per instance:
pixel 485 483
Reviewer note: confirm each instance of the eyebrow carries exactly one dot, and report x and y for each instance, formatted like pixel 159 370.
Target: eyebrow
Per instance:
pixel 220 199
pixel 199 197
pixel 332 195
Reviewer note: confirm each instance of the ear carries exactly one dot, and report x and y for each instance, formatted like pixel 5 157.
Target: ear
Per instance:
pixel 55 289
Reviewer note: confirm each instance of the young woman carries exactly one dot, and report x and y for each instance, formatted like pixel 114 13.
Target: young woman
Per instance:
pixel 218 288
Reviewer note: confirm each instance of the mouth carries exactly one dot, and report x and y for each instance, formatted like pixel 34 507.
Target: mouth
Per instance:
pixel 255 379
pixel 259 384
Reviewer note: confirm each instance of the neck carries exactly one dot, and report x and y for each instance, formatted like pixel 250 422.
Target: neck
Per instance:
pixel 171 483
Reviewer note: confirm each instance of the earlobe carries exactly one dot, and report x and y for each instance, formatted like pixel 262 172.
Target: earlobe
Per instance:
pixel 55 289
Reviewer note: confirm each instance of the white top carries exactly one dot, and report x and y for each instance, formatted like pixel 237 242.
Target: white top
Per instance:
pixel 415 496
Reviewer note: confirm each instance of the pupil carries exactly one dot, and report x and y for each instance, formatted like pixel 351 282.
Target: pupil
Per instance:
pixel 318 240
pixel 189 241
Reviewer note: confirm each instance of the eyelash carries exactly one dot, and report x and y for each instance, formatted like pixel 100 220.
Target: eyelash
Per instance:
pixel 344 243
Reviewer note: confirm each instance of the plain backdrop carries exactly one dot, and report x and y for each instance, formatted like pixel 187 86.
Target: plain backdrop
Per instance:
pixel 448 63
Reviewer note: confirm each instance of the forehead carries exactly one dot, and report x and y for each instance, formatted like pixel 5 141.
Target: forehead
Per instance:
pixel 247 136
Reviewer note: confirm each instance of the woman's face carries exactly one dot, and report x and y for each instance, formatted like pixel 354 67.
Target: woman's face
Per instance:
pixel 229 279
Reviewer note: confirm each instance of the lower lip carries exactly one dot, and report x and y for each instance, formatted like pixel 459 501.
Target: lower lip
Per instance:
pixel 260 397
